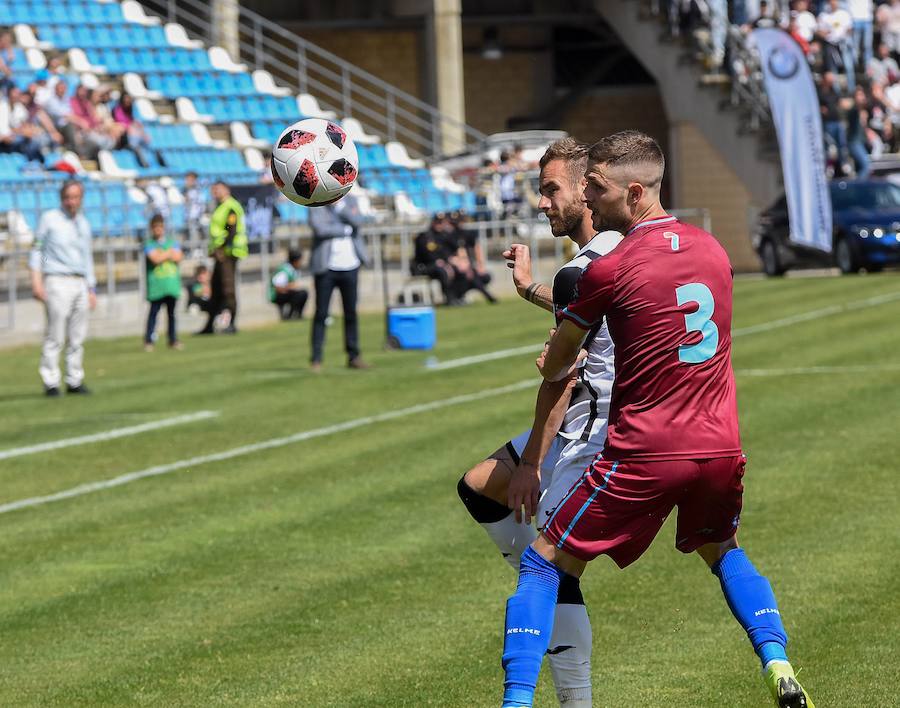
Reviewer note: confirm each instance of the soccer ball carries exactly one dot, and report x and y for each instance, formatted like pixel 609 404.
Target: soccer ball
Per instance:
pixel 314 162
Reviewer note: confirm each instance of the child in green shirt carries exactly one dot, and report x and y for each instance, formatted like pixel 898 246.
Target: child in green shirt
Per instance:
pixel 162 254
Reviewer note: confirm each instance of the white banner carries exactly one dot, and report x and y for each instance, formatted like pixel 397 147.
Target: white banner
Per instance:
pixel 798 124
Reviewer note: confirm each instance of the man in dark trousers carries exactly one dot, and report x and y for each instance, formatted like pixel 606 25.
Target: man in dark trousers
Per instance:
pixel 284 287
pixel 338 251
pixel 227 245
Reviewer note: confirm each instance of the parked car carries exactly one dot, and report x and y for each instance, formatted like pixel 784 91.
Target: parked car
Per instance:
pixel 866 233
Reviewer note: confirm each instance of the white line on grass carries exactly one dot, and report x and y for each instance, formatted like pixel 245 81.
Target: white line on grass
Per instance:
pixel 753 329
pixel 91 487
pixel 107 435
pixel 860 369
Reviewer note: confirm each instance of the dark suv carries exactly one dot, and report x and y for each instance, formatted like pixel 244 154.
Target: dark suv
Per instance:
pixel 866 217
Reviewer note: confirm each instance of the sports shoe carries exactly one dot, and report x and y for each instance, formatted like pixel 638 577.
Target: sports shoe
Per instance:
pixel 52 392
pixel 80 389
pixel 784 687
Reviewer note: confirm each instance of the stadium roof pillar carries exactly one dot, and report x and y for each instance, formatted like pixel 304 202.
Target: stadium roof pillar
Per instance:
pixel 445 27
pixel 224 16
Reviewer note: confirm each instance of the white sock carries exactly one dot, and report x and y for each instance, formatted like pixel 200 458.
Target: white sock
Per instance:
pixel 511 538
pixel 571 667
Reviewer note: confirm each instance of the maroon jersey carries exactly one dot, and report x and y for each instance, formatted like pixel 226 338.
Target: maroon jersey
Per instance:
pixel 666 293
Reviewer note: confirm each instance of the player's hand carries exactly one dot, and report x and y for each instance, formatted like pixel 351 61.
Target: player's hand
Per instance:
pixel 524 491
pixel 92 299
pixel 40 294
pixel 519 259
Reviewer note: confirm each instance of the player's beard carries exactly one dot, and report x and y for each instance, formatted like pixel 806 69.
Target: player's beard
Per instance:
pixel 568 220
pixel 609 221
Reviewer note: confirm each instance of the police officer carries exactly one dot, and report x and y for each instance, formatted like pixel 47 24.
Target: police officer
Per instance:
pixel 227 245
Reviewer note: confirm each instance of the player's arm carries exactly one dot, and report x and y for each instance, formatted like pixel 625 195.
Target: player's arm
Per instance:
pixel 519 259
pixel 525 485
pixel 562 352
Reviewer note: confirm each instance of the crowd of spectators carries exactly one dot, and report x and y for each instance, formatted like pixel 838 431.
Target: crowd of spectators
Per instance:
pixel 852 47
pixel 46 115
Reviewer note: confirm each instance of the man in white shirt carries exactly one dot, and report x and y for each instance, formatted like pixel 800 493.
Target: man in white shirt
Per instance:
pixel 337 254
pixel 836 28
pixel 805 20
pixel 62 277
pixel 861 13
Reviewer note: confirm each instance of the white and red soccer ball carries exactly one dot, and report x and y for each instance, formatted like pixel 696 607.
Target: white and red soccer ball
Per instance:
pixel 314 162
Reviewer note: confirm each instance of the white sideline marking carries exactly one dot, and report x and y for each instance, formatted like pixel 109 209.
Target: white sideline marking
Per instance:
pixel 478 358
pixel 107 435
pixel 860 369
pixel 753 329
pixel 91 487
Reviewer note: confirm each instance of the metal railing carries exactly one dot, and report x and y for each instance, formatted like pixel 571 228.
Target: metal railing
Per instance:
pixel 746 90
pixel 337 85
pixel 120 266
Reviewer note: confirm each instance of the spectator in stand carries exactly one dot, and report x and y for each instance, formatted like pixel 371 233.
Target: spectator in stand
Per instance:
pixel 467 240
pixel 833 120
pixel 880 117
pixel 12 138
pixel 100 98
pixel 135 136
pixel 285 291
pixel 432 250
pixel 509 193
pixel 882 68
pixel 765 19
pixel 888 19
pixel 836 29
pixel 794 31
pixel 7 57
pixel 157 198
pixel 857 119
pixel 194 206
pixel 805 20
pixel 163 254
pixel 59 109
pixel 891 98
pixel 85 119
pixel 861 13
pixel 32 127
pixel 42 87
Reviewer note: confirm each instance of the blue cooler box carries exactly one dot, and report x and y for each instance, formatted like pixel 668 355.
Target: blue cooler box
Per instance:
pixel 412 327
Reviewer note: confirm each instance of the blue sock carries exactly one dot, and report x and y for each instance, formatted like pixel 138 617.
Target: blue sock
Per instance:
pixel 752 602
pixel 529 622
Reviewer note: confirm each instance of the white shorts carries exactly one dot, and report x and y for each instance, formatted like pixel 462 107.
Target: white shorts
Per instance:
pixel 565 464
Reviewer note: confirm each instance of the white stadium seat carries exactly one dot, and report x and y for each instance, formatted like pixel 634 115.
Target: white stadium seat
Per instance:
pixel 264 83
pixel 357 133
pixel 134 85
pixel 220 59
pixel 177 37
pixel 25 38
pixel 202 136
pixel 309 107
pixel 241 137
pixel 396 153
pixel 79 63
pixel 254 158
pixel 109 167
pixel 133 12
pixel 187 113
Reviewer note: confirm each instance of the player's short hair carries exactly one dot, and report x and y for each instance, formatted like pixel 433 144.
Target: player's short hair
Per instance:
pixel 294 254
pixel 630 148
pixel 157 219
pixel 571 151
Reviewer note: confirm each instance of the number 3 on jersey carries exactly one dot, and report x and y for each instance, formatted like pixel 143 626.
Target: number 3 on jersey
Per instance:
pixel 699 321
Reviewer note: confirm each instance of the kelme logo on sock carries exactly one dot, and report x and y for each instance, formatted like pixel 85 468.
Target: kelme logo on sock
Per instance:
pixel 524 630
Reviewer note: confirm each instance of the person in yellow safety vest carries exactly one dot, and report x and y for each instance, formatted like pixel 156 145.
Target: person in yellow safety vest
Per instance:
pixel 227 245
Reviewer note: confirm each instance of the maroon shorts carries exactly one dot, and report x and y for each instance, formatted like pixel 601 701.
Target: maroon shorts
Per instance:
pixel 617 508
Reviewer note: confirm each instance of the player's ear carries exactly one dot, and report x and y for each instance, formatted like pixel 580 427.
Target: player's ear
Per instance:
pixel 635 192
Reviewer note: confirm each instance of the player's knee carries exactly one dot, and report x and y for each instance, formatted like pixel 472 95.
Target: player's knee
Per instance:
pixel 480 507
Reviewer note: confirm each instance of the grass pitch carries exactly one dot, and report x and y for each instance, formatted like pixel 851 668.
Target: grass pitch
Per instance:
pixel 341 570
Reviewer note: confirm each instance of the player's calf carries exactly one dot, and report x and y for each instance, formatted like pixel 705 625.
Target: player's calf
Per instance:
pixel 481 490
pixel 569 654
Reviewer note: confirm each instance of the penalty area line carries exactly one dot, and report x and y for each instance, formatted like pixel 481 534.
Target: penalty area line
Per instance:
pixel 243 450
pixel 107 434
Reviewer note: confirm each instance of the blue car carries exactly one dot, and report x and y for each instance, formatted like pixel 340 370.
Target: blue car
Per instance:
pixel 866 217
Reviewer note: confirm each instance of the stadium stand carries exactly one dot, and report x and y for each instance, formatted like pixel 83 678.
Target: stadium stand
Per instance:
pixel 180 88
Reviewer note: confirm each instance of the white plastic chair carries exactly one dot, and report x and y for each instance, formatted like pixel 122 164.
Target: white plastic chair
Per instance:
pixel 133 12
pixel 134 85
pixel 254 159
pixel 241 137
pixel 357 133
pixel 396 153
pixel 26 38
pixel 187 113
pixel 202 136
pixel 265 83
pixel 308 106
pixel 220 59
pixel 109 167
pixel 79 63
pixel 177 36
pixel 35 58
